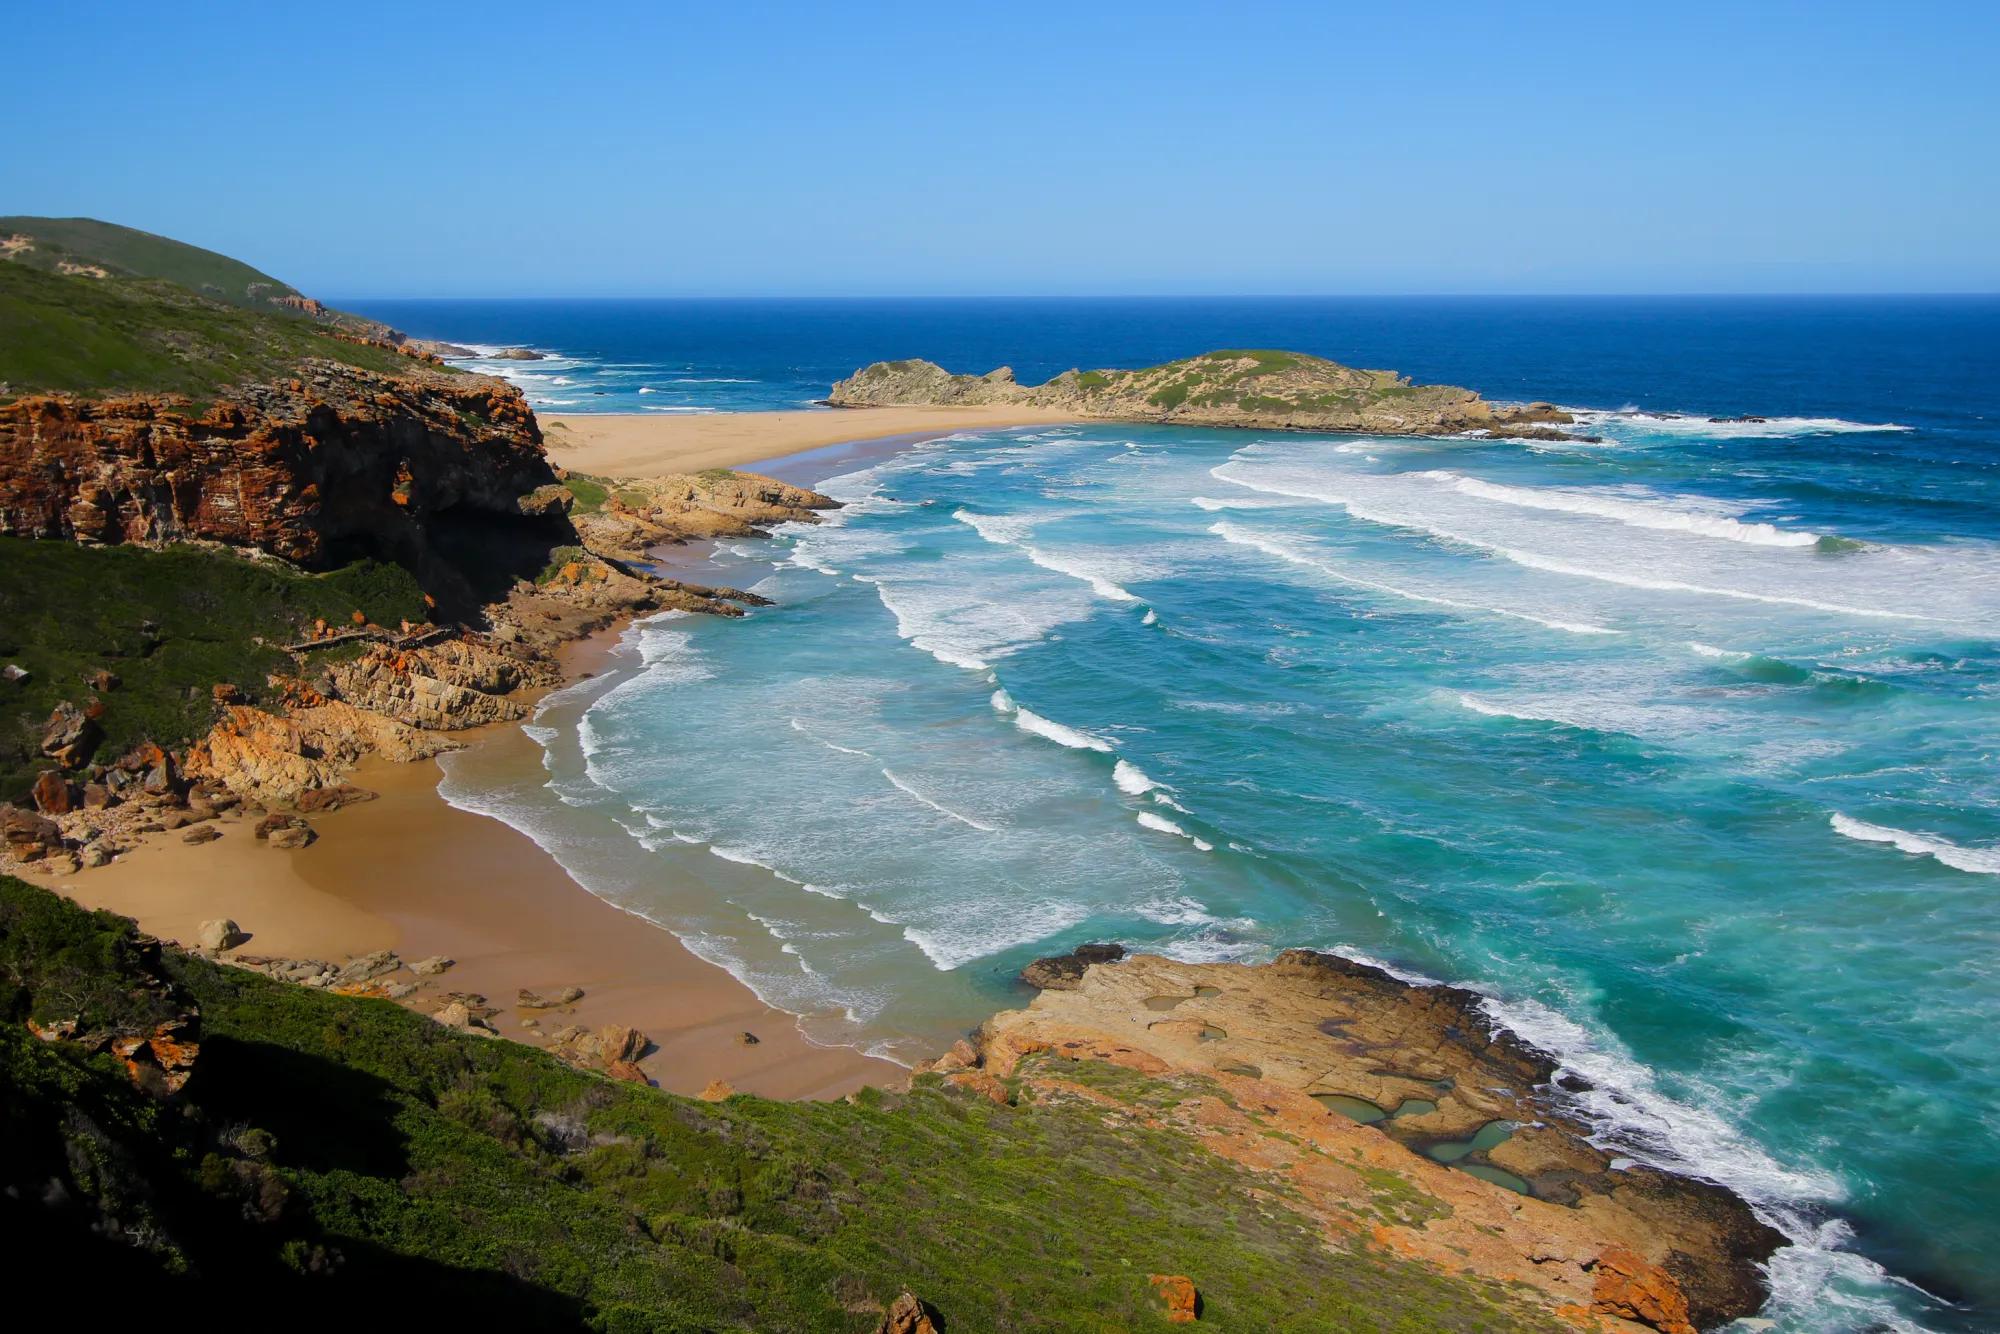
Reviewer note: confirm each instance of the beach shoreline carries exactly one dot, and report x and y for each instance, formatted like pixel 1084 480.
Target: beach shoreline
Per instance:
pixel 648 445
pixel 411 872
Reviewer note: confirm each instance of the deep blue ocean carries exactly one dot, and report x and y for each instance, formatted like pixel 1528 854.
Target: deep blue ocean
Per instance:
pixel 1683 746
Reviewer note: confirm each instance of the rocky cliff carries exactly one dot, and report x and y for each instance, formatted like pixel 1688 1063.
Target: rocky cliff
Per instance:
pixel 329 464
pixel 1285 391
pixel 1402 1110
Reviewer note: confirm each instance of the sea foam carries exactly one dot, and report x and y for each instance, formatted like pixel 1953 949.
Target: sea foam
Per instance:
pixel 1977 861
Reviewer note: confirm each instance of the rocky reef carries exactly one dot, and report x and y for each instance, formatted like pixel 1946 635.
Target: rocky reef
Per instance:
pixel 1399 1110
pixel 1267 390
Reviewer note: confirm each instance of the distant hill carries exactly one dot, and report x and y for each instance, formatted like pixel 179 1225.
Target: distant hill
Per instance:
pixel 87 247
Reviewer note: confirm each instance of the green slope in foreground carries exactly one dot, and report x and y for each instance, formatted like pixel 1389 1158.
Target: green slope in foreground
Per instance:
pixel 335 1159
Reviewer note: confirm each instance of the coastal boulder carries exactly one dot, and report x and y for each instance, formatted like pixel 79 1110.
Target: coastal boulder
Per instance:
pixel 1626 1286
pixel 910 1314
pixel 29 837
pixel 53 794
pixel 70 735
pixel 1178 1292
pixel 219 933
pixel 1063 972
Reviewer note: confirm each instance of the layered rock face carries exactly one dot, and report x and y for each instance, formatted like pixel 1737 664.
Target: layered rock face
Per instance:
pixel 335 463
pixel 1371 1095
pixel 1284 391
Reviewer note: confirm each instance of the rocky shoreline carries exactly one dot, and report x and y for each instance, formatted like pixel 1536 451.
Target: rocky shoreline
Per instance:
pixel 1395 1109
pixel 1393 1114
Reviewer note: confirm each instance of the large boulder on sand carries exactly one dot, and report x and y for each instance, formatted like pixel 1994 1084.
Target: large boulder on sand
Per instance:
pixel 219 933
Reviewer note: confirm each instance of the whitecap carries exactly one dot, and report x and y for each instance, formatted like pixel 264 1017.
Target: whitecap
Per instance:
pixel 1977 861
pixel 1011 531
pixel 1131 779
pixel 1029 721
pixel 1658 513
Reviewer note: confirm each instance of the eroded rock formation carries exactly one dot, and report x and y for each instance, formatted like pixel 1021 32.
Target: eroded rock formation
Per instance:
pixel 431 469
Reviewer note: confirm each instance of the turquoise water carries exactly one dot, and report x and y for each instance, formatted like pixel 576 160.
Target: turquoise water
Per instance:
pixel 1680 747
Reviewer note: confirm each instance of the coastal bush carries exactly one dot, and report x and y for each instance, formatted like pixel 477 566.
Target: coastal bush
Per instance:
pixel 170 624
pixel 333 1149
pixel 559 557
pixel 589 492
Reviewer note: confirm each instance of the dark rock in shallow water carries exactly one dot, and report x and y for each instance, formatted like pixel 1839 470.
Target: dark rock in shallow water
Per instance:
pixel 1063 971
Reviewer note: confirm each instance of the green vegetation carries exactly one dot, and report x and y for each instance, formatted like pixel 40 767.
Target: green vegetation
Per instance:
pixel 101 336
pixel 350 1154
pixel 713 475
pixel 559 557
pixel 590 493
pixel 1092 380
pixel 1269 362
pixel 170 624
pixel 128 253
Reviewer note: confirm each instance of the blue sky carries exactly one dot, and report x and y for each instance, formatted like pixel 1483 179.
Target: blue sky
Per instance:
pixel 889 149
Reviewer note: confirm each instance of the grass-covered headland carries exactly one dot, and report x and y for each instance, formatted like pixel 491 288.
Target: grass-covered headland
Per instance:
pixel 167 625
pixel 346 1159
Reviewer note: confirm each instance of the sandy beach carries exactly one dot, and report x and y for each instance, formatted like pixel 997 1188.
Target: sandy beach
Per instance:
pixel 411 873
pixel 650 445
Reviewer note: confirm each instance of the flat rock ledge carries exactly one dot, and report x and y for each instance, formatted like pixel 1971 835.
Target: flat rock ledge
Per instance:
pixel 1379 1098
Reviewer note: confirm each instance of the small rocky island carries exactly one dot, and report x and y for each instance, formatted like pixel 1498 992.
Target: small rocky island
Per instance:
pixel 1267 390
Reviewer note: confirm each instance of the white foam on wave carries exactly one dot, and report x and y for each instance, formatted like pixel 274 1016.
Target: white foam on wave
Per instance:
pixel 1551 565
pixel 940 808
pixel 1150 618
pixel 1272 546
pixel 1693 425
pixel 1011 531
pixel 655 408
pixel 985 934
pixel 1976 861
pixel 1131 779
pixel 800 727
pixel 1029 721
pixel 1660 514
pixel 1211 504
pixel 1183 910
pixel 1814 1278
pixel 1162 824
pixel 913 626
pixel 1720 654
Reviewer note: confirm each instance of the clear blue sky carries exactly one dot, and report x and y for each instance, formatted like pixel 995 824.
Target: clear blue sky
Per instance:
pixel 744 148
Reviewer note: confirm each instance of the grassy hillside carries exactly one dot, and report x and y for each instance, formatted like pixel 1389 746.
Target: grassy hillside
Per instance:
pixel 112 335
pixel 125 252
pixel 169 623
pixel 349 1159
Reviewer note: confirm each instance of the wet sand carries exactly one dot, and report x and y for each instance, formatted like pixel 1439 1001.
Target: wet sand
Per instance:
pixel 412 873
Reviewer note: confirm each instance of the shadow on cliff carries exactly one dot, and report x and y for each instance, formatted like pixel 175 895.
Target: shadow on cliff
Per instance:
pixel 463 558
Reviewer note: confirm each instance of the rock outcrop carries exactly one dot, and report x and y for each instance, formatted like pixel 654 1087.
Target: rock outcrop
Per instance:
pixel 1401 1103
pixel 1282 391
pixel 685 507
pixel 430 469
